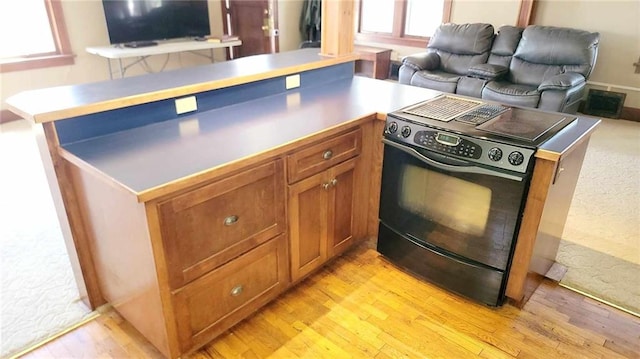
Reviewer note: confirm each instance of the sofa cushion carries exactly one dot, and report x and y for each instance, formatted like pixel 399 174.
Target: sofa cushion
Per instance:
pixel 436 80
pixel 574 50
pixel 513 94
pixel 506 40
pixel 504 45
pixel 529 73
pixel 461 46
pixel 463 39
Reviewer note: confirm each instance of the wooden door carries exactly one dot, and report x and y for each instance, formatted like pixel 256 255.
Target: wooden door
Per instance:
pixel 308 224
pixel 253 22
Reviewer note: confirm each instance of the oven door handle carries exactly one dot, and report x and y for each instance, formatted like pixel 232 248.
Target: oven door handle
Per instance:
pixel 448 167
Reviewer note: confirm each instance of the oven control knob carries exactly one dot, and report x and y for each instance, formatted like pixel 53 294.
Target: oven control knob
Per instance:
pixel 393 127
pixel 406 131
pixel 516 158
pixel 495 154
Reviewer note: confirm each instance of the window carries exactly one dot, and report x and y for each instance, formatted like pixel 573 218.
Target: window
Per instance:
pixel 33 35
pixel 403 22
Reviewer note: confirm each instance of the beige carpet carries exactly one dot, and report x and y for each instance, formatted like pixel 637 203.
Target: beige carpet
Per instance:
pixel 38 293
pixel 601 239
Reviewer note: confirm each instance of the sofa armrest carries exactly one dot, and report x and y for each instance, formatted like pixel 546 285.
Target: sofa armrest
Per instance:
pixel 563 81
pixel 488 71
pixel 422 61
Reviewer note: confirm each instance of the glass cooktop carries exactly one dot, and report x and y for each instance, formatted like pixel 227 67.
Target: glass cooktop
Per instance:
pixel 522 125
pixel 472 115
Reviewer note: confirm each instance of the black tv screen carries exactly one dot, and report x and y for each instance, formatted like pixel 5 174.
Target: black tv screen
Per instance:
pixel 147 20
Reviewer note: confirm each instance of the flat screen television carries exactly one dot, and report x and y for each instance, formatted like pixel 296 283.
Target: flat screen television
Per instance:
pixel 135 21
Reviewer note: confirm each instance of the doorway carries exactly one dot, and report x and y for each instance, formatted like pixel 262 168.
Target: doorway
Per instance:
pixel 255 23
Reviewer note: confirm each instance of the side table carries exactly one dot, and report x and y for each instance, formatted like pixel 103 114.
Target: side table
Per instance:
pixel 374 61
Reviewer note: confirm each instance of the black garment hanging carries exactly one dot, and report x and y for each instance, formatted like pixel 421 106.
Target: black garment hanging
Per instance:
pixel 310 20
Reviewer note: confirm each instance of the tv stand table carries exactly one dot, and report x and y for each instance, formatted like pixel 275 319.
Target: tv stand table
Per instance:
pixel 120 52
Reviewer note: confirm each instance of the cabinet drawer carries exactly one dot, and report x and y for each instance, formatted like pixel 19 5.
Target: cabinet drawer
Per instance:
pixel 209 226
pixel 220 299
pixel 320 156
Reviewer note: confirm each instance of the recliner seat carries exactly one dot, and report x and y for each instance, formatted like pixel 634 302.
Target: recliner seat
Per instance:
pixel 549 69
pixel 451 51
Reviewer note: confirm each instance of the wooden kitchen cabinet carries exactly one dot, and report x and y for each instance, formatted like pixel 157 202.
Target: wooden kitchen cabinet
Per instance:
pixel 208 226
pixel 323 207
pixel 226 250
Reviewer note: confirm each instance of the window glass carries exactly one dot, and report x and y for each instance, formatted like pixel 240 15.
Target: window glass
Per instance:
pixel 25 29
pixel 423 17
pixel 377 16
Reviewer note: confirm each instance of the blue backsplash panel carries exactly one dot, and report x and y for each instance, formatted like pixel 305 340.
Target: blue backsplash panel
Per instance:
pixel 99 124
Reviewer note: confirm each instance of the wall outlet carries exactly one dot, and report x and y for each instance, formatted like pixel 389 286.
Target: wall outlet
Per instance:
pixel 292 81
pixel 186 104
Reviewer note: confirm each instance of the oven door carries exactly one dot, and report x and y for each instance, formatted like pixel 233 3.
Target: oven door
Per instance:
pixel 467 212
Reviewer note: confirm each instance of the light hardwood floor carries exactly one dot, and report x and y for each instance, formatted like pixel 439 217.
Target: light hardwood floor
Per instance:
pixel 362 306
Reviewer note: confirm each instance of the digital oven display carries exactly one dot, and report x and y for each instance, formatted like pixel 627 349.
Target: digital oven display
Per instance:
pixel 448 140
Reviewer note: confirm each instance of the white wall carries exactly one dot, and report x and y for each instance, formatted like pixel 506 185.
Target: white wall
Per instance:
pixel 618 22
pixel 288 21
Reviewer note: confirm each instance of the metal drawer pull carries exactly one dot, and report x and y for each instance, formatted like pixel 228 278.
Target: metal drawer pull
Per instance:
pixel 333 182
pixel 237 290
pixel 327 154
pixel 231 220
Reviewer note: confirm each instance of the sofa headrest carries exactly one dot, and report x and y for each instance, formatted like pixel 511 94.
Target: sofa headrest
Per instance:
pixel 463 39
pixel 506 40
pixel 558 46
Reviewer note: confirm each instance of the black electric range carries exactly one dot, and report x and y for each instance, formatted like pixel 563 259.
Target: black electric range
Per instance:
pixel 455 178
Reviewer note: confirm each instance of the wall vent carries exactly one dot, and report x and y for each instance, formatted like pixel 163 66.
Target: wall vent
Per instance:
pixel 604 103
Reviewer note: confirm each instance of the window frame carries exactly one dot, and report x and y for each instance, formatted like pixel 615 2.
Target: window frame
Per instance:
pixel 62 56
pixel 397 35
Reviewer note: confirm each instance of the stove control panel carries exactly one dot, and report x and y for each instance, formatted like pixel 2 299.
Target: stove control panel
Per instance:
pixel 448 144
pixel 478 150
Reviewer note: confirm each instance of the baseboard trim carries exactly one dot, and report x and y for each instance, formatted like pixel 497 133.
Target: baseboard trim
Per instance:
pixel 630 113
pixel 8 116
pixel 628 311
pixel 93 315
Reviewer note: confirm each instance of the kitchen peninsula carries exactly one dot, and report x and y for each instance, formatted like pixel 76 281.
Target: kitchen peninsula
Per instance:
pixel 196 196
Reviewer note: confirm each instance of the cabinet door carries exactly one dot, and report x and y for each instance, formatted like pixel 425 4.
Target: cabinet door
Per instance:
pixel 308 224
pixel 213 224
pixel 322 222
pixel 341 206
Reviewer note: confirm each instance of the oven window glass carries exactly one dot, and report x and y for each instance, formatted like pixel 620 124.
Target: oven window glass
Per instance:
pixel 452 202
pixel 473 215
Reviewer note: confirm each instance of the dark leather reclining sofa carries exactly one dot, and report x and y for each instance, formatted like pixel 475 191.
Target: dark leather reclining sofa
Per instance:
pixel 539 66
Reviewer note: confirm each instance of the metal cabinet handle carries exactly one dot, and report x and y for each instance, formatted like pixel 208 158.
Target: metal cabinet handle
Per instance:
pixel 327 154
pixel 237 290
pixel 329 184
pixel 231 220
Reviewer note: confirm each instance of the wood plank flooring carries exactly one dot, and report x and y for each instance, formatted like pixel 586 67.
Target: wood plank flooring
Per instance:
pixel 361 306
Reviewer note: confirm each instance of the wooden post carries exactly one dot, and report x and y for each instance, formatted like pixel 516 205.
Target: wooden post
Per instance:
pixel 337 27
